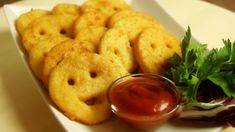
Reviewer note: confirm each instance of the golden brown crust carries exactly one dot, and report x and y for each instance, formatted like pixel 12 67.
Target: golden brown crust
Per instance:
pixel 45 27
pixel 38 52
pixel 62 51
pixel 66 9
pixel 79 83
pixel 153 47
pixel 107 7
pixel 78 51
pixel 115 43
pixel 89 19
pixel 26 18
pixel 133 25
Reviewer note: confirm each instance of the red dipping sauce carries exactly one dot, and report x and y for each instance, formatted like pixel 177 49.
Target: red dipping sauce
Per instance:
pixel 144 100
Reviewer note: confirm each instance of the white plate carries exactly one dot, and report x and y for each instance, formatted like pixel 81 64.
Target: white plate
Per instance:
pixel 114 125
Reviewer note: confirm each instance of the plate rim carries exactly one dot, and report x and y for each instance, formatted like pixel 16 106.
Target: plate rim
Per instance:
pixel 55 111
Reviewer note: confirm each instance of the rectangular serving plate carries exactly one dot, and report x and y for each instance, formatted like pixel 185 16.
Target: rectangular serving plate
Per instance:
pixel 150 7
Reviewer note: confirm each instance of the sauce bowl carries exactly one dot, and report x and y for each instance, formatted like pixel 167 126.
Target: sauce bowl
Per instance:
pixel 144 101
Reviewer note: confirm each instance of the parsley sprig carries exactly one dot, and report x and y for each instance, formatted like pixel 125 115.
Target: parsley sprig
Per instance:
pixel 198 64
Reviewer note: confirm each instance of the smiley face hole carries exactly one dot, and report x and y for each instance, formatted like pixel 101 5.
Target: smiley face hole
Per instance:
pixel 116 52
pixel 152 46
pixel 42 32
pixel 93 74
pixel 92 101
pixel 71 81
pixel 63 31
pixel 168 46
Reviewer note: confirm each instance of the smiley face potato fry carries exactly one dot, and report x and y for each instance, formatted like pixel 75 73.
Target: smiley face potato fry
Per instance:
pixel 62 51
pixel 152 48
pixel 77 51
pixel 79 83
pixel 26 18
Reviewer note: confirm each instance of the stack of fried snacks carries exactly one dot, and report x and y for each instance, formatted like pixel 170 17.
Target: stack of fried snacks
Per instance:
pixel 77 51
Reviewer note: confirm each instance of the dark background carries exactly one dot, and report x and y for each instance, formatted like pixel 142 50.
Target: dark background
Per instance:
pixel 229 4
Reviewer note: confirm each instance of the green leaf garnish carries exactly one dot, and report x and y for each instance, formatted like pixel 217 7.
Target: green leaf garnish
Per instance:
pixel 197 64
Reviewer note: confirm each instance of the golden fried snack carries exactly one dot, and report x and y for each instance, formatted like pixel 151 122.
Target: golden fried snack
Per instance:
pixel 26 18
pixel 78 86
pixel 153 47
pixel 122 14
pixel 45 27
pixel 39 51
pixel 92 34
pixel 89 19
pixel 78 51
pixel 61 51
pixel 119 15
pixel 65 9
pixel 107 7
pixel 115 42
pixel 133 25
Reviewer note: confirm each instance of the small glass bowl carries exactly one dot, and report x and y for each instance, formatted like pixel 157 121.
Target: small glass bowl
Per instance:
pixel 139 121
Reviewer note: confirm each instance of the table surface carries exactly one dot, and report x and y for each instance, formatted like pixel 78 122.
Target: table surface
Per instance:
pixel 21 106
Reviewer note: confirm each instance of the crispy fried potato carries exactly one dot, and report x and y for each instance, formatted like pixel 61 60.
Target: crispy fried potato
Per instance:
pixel 92 34
pixel 62 51
pixel 133 25
pixel 78 86
pixel 37 54
pixel 107 7
pixel 26 18
pixel 89 19
pixel 153 47
pixel 78 51
pixel 66 9
pixel 46 27
pixel 122 14
pixel 115 42
pixel 119 15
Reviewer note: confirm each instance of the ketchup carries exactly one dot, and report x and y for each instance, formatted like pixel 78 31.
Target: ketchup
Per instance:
pixel 143 96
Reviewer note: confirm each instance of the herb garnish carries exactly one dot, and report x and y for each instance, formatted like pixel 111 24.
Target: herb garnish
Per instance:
pixel 197 64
